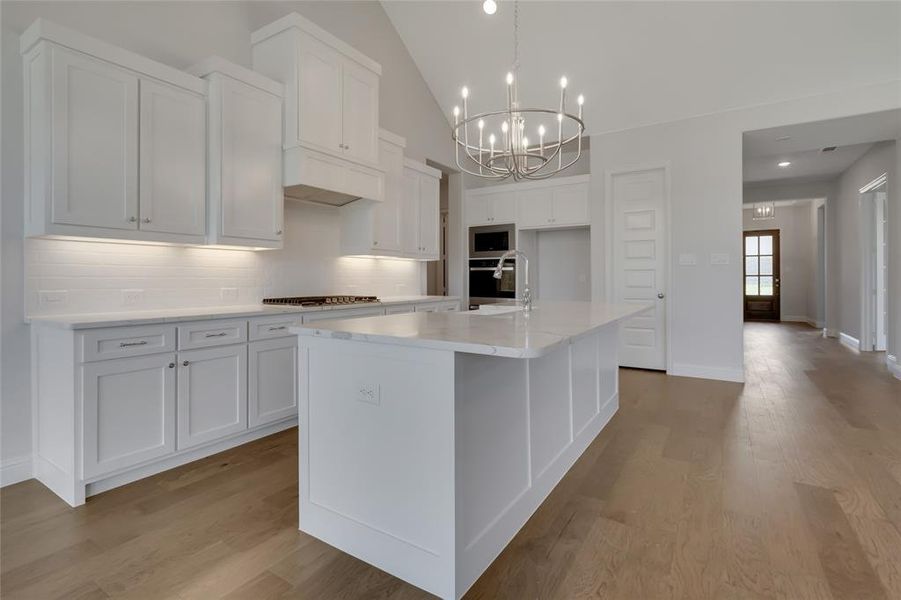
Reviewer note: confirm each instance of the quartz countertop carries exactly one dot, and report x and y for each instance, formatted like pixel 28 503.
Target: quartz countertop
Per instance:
pixel 175 315
pixel 512 334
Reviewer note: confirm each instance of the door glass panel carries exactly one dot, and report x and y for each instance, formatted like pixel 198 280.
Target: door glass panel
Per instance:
pixel 766 265
pixel 751 245
pixel 766 244
pixel 751 265
pixel 766 286
pixel 751 286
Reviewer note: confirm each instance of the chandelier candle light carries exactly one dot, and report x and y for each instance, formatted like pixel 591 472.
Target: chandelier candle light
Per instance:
pixel 516 157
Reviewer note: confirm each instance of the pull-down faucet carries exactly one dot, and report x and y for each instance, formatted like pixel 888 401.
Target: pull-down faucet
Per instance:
pixel 526 292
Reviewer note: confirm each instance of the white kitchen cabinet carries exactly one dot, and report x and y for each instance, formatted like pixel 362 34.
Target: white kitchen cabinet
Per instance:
pixel 570 204
pixel 272 380
pixel 246 198
pixel 212 394
pixel 488 209
pixel 129 412
pixel 114 141
pixel 332 90
pixel 535 208
pixel 172 161
pixel 420 211
pixel 555 205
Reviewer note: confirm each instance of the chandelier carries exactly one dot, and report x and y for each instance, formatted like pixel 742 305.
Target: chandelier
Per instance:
pixel 485 153
pixel 764 211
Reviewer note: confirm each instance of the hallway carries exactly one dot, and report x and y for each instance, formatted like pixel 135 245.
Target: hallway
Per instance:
pixel 787 487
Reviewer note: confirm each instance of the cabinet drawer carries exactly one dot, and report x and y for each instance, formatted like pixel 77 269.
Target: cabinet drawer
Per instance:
pixel 272 327
pixel 399 310
pixel 122 342
pixel 211 333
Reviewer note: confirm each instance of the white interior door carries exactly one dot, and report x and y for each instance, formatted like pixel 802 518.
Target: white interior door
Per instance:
pixel 881 271
pixel 639 263
pixel 95 142
pixel 173 160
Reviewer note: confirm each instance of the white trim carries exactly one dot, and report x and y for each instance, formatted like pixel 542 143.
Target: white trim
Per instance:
pixel 14 470
pixel 392 138
pixel 832 333
pixel 217 64
pixel 801 319
pixel 529 185
pixel 421 167
pixel 894 366
pixel 704 372
pixel 668 244
pixel 874 184
pixel 849 340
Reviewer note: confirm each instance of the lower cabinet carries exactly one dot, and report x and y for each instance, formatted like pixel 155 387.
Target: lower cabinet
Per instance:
pixel 212 394
pixel 129 412
pixel 272 380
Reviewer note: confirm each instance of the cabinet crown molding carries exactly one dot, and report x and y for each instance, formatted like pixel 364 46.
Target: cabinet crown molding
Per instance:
pixel 528 185
pixel 217 64
pixel 295 21
pixel 422 168
pixel 392 138
pixel 44 30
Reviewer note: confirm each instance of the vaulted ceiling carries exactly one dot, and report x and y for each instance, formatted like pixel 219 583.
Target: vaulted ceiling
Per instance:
pixel 640 63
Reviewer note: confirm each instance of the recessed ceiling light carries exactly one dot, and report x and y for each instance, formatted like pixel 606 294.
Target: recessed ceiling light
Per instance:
pixel 490 7
pixel 784 164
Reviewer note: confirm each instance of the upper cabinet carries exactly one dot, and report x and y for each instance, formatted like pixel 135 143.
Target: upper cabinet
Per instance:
pixel 488 209
pixel 115 143
pixel 331 128
pixel 553 203
pixel 246 198
pixel 420 211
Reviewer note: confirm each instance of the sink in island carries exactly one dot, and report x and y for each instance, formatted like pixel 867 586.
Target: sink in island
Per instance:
pixel 427 440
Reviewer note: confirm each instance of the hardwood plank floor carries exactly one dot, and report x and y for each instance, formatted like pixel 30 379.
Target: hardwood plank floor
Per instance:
pixel 787 487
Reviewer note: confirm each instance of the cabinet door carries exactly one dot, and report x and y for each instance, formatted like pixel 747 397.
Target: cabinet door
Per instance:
pixel 503 207
pixel 272 380
pixel 172 160
pixel 319 102
pixel 534 208
pixel 361 113
pixel 478 209
pixel 571 204
pixel 429 216
pixel 386 214
pixel 212 394
pixel 94 115
pixel 251 187
pixel 129 412
pixel 409 213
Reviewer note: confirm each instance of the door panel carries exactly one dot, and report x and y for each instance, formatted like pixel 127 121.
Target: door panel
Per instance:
pixel 361 112
pixel 212 394
pixel 409 213
pixel 639 264
pixel 272 381
pixel 173 160
pixel 761 275
pixel 386 231
pixel 571 205
pixel 95 142
pixel 319 96
pixel 429 215
pixel 478 209
pixel 503 207
pixel 252 194
pixel 535 208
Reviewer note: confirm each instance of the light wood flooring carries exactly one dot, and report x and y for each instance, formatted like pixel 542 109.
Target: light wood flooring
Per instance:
pixel 786 487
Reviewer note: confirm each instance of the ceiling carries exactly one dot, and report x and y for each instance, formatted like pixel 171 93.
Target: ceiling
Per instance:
pixel 802 145
pixel 640 63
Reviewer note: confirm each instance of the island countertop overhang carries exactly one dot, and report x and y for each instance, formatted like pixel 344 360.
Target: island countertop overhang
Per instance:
pixel 512 335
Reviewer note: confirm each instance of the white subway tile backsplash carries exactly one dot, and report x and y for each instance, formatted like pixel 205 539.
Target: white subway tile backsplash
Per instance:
pixel 95 275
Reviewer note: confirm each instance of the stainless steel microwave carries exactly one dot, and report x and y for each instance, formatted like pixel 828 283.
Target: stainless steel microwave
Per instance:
pixel 490 241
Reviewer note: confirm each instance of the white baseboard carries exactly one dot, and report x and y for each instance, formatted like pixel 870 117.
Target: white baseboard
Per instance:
pixel 849 340
pixel 894 366
pixel 802 319
pixel 14 470
pixel 702 372
pixel 833 333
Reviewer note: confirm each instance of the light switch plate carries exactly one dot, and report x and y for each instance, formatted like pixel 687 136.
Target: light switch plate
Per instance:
pixel 368 393
pixel 688 259
pixel 228 294
pixel 53 297
pixel 132 297
pixel 718 258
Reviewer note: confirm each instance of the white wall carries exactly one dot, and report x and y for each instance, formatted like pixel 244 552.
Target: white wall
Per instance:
pixel 797 264
pixel 180 34
pixel 705 164
pixel 563 264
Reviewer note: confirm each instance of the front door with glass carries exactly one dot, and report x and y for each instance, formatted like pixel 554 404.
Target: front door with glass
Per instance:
pixel 762 275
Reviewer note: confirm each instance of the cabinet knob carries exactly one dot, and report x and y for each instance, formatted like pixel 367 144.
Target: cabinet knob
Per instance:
pixel 661 295
pixel 146 219
pixel 375 243
pixel 279 232
pixel 132 219
pixel 185 363
pixel 171 365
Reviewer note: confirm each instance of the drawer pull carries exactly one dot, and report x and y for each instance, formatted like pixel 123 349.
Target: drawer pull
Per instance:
pixel 185 363
pixel 130 344
pixel 279 328
pixel 220 334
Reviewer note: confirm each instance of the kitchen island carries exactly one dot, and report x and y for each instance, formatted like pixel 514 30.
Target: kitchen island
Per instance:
pixel 427 440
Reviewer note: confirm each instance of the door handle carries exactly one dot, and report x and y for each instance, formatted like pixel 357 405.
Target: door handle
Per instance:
pixel 661 295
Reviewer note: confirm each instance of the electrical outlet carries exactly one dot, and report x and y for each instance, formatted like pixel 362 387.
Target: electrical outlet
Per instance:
pixel 132 297
pixel 229 294
pixel 688 260
pixel 53 297
pixel 368 393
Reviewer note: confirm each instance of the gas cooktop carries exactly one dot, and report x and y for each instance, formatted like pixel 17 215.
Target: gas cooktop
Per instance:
pixel 321 300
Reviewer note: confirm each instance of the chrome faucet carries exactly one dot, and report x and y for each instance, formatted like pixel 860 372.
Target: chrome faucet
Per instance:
pixel 526 292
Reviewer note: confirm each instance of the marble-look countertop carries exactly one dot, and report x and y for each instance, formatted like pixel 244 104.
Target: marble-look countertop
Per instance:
pixel 512 334
pixel 176 315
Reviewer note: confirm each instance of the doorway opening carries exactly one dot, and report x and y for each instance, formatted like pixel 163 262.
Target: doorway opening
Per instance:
pixel 874 267
pixel 761 275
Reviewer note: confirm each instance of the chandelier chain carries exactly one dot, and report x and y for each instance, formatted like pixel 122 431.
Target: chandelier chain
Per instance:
pixel 515 36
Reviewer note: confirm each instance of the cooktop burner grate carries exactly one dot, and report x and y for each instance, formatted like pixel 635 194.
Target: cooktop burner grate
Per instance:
pixel 321 300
